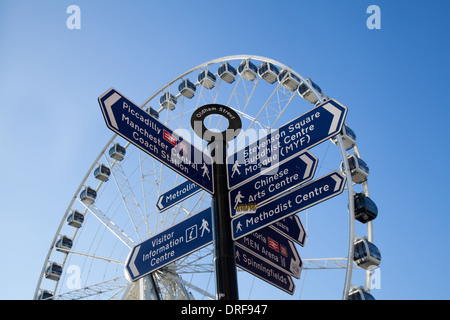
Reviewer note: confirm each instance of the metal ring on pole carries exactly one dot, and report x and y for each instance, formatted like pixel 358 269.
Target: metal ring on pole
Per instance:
pixel 198 124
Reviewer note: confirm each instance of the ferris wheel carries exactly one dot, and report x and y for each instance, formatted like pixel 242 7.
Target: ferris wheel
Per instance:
pixel 116 206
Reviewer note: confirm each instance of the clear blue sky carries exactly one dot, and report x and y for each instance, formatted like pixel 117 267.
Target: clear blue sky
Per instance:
pixel 395 82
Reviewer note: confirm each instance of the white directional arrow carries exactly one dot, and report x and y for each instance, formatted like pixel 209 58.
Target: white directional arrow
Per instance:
pixel 159 203
pixel 291 284
pixel 338 180
pixel 108 104
pixel 302 233
pixel 309 165
pixel 336 116
pixel 296 262
pixel 133 268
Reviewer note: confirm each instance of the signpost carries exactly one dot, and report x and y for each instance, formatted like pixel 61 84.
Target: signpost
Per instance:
pixel 307 196
pixel 270 184
pixel 264 178
pixel 148 134
pixel 304 132
pixel 170 245
pixel 273 248
pixel 251 263
pixel 176 195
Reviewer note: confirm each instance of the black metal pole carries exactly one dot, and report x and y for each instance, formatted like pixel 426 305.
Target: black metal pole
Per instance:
pixel 225 265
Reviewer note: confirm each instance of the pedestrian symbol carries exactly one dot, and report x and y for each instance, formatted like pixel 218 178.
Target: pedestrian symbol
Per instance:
pixel 205 171
pixel 235 168
pixel 238 199
pixel 204 227
pixel 238 227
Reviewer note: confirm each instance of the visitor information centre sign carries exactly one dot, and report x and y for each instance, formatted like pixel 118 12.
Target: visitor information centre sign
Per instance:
pixel 170 245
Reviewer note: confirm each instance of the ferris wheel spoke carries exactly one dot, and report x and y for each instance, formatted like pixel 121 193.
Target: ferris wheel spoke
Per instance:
pixel 100 288
pixel 326 263
pixel 92 256
pixel 195 268
pixel 110 225
pixel 281 105
pixel 151 181
pixel 129 200
pixel 196 258
pixel 170 287
pixel 183 283
pixel 241 95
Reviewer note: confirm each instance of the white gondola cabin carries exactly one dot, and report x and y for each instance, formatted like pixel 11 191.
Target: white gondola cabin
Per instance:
pixel 207 79
pixel 187 88
pixel 365 209
pixel 359 294
pixel 288 80
pixel 88 195
pixel 168 101
pixel 306 93
pixel 366 255
pixel 227 72
pixel 117 152
pixel 348 137
pixel 358 169
pixel 53 271
pixel 63 243
pixel 45 295
pixel 75 219
pixel 248 70
pixel 102 172
pixel 268 72
pixel 152 112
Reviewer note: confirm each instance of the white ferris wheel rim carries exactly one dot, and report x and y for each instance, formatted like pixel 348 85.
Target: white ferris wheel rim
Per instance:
pixel 156 94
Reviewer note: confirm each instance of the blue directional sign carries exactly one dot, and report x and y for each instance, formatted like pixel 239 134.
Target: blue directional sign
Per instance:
pixel 170 245
pixel 176 195
pixel 251 263
pixel 144 131
pixel 291 228
pixel 304 132
pixel 274 182
pixel 306 196
pixel 274 248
